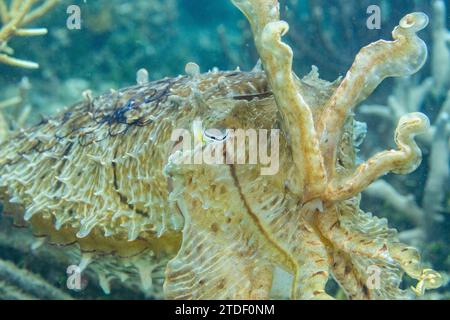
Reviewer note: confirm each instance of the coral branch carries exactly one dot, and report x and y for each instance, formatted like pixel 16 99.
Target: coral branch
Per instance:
pixel 440 67
pixel 10 292
pixel 19 14
pixel 408 96
pixel 29 282
pixel 40 11
pixel 4 16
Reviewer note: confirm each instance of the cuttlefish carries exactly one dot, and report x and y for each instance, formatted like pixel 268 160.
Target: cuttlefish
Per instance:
pixel 107 177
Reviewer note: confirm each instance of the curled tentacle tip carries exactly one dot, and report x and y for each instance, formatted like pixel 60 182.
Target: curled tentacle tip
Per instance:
pixel 415 21
pixel 415 122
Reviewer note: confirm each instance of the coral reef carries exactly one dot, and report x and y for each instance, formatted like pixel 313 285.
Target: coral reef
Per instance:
pixel 424 206
pixel 368 70
pixel 19 284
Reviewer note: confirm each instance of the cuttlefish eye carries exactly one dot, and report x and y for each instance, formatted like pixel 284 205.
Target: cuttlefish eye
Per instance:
pixel 415 21
pixel 215 134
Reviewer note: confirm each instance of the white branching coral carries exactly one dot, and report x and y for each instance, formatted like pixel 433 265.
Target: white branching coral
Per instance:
pixel 20 284
pixel 441 49
pixel 14 18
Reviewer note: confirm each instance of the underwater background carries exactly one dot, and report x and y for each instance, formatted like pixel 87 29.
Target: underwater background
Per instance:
pixel 118 37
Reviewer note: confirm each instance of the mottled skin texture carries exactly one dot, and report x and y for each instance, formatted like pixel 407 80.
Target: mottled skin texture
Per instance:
pixel 102 174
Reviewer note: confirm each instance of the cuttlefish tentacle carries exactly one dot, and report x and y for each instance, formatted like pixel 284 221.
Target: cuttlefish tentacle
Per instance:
pixel 402 57
pixel 316 159
pixel 402 161
pixel 297 116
